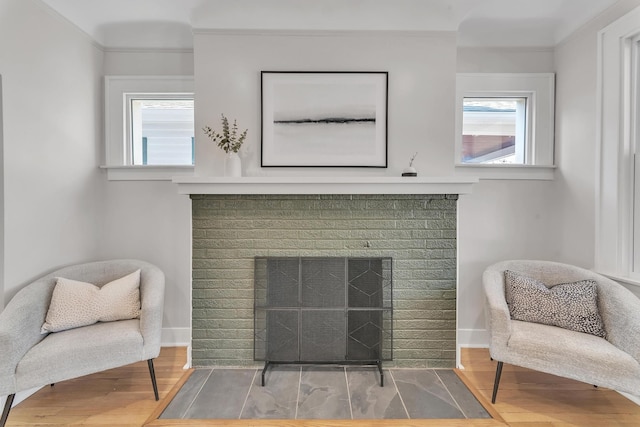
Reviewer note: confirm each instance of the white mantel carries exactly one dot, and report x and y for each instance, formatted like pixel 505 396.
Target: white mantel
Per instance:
pixel 324 185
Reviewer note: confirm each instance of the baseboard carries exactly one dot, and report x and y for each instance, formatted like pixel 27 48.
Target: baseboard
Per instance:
pixel 473 338
pixel 176 337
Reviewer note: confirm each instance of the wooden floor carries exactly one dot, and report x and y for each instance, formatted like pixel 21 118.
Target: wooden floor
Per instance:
pixel 124 397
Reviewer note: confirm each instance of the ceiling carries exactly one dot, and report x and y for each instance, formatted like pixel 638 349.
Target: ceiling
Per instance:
pixel 170 23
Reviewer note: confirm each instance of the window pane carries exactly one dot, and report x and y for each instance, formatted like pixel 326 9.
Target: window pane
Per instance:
pixel 494 130
pixel 162 131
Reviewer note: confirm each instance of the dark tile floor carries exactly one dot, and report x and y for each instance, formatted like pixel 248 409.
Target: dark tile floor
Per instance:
pixel 323 392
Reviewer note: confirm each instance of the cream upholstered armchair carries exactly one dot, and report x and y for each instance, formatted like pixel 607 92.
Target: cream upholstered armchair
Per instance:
pixel 32 356
pixel 611 361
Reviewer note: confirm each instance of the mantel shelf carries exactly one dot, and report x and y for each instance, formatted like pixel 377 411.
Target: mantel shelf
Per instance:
pixel 324 185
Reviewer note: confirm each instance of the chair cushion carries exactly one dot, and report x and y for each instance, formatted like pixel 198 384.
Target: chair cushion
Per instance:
pixel 75 304
pixel 581 357
pixel 80 351
pixel 572 306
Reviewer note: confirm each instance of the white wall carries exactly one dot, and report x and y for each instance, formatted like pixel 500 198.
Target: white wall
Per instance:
pixel 58 206
pixel 505 60
pixel 1 202
pixel 148 219
pixel 53 190
pixel 421 70
pixel 501 219
pixel 547 220
pixel 141 62
pixel 60 209
pixel 576 61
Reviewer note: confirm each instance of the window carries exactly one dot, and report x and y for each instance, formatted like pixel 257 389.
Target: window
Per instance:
pixel 504 122
pixel 618 139
pixel 160 129
pixel 149 127
pixel 494 130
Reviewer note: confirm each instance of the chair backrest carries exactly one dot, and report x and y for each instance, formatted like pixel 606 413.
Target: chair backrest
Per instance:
pixel 100 273
pixel 616 303
pixel 549 272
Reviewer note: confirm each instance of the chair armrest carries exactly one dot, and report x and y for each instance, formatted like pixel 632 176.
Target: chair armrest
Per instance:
pixel 496 311
pixel 20 324
pixel 620 311
pixel 152 284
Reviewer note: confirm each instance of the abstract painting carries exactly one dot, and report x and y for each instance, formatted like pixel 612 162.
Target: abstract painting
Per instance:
pixel 324 119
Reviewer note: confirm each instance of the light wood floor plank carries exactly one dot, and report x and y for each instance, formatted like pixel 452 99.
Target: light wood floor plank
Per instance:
pixel 124 397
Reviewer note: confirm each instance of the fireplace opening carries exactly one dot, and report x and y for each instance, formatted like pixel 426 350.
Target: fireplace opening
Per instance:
pixel 323 310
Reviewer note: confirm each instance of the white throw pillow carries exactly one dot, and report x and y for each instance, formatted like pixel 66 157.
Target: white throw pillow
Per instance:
pixel 75 304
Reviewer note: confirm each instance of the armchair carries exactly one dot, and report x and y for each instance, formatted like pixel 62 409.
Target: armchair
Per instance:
pixel 612 362
pixel 30 358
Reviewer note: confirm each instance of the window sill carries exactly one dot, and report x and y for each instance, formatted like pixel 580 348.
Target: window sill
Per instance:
pixel 524 172
pixel 622 279
pixel 146 173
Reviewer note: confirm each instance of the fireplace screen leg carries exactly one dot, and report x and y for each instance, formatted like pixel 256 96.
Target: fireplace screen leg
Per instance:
pixel 379 363
pixel 264 371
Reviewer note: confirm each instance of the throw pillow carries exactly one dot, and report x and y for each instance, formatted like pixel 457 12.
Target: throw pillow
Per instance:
pixel 572 306
pixel 75 304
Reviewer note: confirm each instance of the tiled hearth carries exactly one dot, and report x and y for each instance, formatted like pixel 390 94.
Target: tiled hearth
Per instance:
pixel 417 231
pixel 294 392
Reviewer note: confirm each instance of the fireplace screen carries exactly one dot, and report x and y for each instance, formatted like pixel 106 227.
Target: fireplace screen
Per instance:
pixel 323 310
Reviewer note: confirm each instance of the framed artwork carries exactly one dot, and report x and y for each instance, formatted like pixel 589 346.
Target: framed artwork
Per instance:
pixel 324 119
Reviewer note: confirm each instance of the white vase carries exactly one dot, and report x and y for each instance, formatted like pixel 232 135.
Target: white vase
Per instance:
pixel 232 165
pixel 410 171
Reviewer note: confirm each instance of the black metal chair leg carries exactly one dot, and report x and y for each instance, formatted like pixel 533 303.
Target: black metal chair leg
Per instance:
pixel 7 408
pixel 153 378
pixel 496 382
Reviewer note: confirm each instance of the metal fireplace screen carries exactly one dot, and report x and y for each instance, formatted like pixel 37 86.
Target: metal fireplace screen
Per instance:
pixel 323 310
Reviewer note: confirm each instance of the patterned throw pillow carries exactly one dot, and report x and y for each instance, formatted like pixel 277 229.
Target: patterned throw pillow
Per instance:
pixel 572 306
pixel 75 304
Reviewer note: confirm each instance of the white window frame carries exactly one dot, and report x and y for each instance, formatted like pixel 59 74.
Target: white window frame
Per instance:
pixel 634 132
pixel 117 90
pixel 616 148
pixel 539 90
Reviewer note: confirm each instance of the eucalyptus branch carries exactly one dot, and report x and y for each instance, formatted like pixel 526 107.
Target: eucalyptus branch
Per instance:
pixel 229 140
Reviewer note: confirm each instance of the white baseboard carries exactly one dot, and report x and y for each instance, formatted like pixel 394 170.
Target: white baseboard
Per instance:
pixel 473 338
pixel 176 337
pixel 181 337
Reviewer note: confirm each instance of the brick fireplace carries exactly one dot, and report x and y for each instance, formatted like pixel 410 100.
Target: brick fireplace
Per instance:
pixel 418 231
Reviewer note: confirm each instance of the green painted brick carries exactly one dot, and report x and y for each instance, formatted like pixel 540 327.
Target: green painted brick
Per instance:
pixel 440 243
pixel 241 334
pixel 420 343
pixel 417 231
pixel 231 344
pixel 417 302
pixel 218 302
